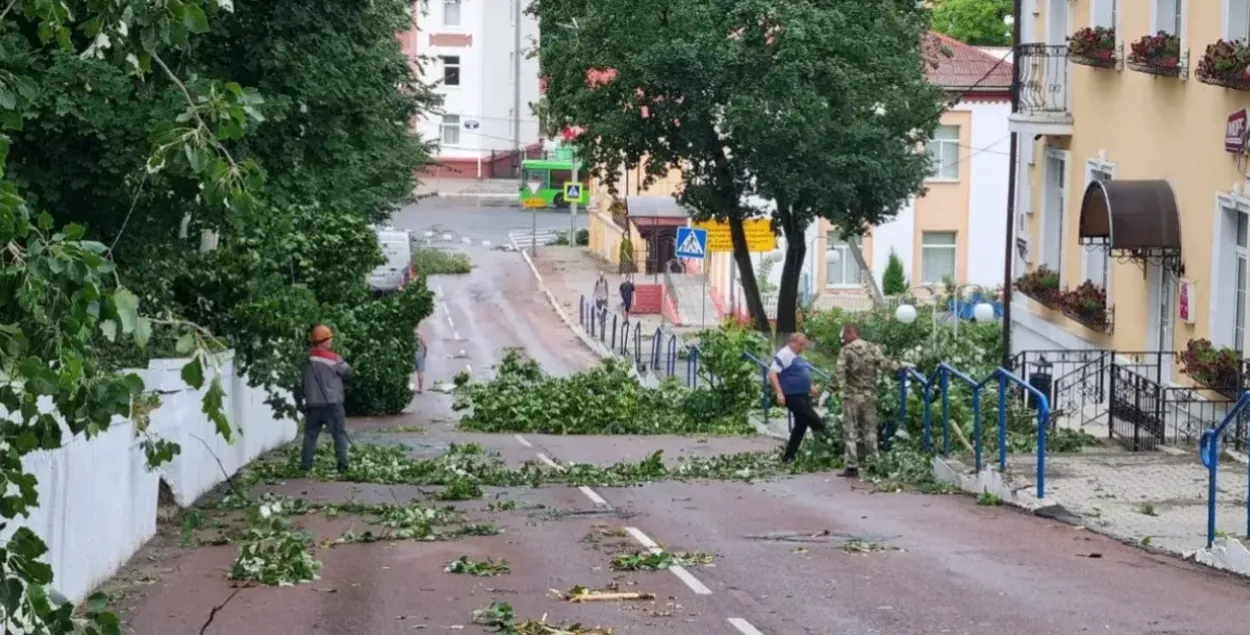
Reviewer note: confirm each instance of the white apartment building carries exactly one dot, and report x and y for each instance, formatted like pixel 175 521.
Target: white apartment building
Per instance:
pixel 475 52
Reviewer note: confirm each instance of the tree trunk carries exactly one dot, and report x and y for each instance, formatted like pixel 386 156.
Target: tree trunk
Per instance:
pixel 878 299
pixel 791 270
pixel 746 271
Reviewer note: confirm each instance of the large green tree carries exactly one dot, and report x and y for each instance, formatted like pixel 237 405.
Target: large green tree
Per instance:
pixel 975 22
pixel 819 109
pixel 331 134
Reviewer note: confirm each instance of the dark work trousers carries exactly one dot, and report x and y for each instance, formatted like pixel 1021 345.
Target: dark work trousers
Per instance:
pixel 332 417
pixel 804 417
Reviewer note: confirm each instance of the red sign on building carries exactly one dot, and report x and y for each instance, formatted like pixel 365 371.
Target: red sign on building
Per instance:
pixel 1235 132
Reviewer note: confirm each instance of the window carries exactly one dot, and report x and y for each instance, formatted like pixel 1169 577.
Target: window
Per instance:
pixel 944 151
pixel 1104 13
pixel 1238 27
pixel 841 270
pixel 1096 255
pixel 451 70
pixel 1239 313
pixel 451 130
pixel 1167 16
pixel 451 12
pixel 937 257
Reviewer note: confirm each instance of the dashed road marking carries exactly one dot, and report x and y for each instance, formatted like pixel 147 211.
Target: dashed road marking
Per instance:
pixel 450 323
pixel 744 626
pixel 462 352
pixel 546 459
pixel 468 369
pixel 456 335
pixel 520 439
pixel 594 496
pixel 682 574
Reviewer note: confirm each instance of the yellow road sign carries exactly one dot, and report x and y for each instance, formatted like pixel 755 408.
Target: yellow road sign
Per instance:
pixel 532 203
pixel 759 233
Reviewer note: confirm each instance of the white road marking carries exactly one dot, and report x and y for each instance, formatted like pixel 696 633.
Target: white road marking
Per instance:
pixel 546 459
pixel 468 368
pixel 690 581
pixel 681 572
pixel 462 352
pixel 450 322
pixel 520 439
pixel 594 496
pixel 456 335
pixel 744 626
pixel 438 288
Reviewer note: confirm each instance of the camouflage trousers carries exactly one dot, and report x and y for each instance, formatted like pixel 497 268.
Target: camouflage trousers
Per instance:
pixel 859 425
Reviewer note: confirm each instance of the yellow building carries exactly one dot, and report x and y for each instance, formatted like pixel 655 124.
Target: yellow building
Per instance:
pixel 1130 187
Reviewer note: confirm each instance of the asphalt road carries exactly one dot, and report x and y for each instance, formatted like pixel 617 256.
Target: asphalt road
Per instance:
pixel 815 554
pixel 465 219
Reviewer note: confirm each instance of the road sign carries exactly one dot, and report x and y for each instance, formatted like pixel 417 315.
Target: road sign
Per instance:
pixel 533 203
pixel 534 186
pixel 759 231
pixel 691 242
pixel 572 191
pixel 471 125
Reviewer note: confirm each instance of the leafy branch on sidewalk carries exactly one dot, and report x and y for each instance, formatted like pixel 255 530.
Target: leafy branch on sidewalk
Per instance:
pixel 485 568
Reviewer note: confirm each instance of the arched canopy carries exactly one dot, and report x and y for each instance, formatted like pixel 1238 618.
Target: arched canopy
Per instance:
pixel 1131 217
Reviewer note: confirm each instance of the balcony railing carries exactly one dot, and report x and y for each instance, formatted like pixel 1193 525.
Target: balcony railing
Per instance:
pixel 1043 78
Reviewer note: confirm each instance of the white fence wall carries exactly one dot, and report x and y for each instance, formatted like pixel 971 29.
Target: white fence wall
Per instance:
pixel 97 500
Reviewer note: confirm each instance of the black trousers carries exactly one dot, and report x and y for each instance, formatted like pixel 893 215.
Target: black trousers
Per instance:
pixel 804 417
pixel 331 417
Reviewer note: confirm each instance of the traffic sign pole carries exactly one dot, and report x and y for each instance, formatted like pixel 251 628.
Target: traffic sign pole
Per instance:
pixel 573 205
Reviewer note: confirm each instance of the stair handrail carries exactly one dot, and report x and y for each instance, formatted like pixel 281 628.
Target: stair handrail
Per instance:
pixel 1209 454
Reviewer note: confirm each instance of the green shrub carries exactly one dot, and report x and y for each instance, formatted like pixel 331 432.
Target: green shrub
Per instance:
pixel 431 261
pixel 376 337
pixel 583 237
pixel 893 282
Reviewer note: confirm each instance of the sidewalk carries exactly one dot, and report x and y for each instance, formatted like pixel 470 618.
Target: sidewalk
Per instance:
pixel 486 192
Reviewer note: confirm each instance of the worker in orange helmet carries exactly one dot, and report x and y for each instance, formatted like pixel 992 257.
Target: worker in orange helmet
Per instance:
pixel 322 394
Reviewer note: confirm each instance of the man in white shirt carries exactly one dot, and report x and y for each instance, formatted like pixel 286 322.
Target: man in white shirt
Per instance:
pixel 791 378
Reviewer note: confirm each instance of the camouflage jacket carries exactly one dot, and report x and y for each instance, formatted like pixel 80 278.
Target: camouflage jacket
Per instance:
pixel 859 363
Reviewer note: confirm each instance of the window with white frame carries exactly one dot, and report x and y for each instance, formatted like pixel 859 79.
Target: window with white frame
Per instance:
pixel 937 257
pixel 841 270
pixel 1104 13
pixel 451 70
pixel 1239 311
pixel 944 152
pixel 1096 260
pixel 1167 16
pixel 1238 25
pixel 451 12
pixel 450 133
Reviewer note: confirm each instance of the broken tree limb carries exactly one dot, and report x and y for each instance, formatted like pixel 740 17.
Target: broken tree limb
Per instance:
pixel 608 597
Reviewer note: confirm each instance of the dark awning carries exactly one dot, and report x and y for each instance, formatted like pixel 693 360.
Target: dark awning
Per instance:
pixel 1131 216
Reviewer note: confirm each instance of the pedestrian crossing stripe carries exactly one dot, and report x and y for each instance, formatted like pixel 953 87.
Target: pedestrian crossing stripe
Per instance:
pixel 690 243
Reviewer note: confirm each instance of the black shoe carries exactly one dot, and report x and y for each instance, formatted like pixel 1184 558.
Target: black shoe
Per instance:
pixel 343 469
pixel 850 472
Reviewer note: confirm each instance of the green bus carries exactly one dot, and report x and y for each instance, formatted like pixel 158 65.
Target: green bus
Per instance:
pixel 550 175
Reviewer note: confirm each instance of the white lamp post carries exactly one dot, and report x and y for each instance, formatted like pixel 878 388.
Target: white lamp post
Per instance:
pixel 983 312
pixel 906 313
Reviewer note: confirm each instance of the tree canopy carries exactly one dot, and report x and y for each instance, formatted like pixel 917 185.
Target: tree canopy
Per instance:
pixel 975 22
pixel 789 109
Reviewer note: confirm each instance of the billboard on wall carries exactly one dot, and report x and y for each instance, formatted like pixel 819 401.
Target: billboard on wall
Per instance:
pixel 1235 132
pixel 759 235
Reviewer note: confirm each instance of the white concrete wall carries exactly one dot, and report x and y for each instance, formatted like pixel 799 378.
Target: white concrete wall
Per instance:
pixel 487 80
pixel 898 235
pixel 987 201
pixel 97 500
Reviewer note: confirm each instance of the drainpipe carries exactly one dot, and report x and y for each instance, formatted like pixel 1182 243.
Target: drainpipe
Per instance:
pixel 1013 159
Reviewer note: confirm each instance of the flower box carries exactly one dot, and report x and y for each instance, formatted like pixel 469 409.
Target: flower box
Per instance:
pixel 1093 46
pixel 1087 304
pixel 1219 369
pixel 1041 284
pixel 1225 64
pixel 1158 54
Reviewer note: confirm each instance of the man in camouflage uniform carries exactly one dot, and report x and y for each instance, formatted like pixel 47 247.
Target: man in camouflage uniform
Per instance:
pixel 859 363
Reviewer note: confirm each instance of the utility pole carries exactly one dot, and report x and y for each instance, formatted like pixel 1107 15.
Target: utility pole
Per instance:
pixel 1013 158
pixel 573 204
pixel 516 82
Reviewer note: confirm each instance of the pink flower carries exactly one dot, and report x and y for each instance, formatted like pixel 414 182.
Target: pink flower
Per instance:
pixel 645 112
pixel 597 77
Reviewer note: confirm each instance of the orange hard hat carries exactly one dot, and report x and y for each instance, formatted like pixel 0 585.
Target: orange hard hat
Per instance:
pixel 321 333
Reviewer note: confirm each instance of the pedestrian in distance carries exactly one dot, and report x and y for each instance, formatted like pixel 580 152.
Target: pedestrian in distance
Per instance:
pixel 322 397
pixel 601 293
pixel 791 378
pixel 859 364
pixel 627 295
pixel 423 351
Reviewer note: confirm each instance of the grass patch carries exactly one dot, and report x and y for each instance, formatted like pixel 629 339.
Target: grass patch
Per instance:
pixel 430 261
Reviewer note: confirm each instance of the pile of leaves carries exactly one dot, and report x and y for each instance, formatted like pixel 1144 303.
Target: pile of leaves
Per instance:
pixel 657 560
pixel 432 261
pixel 604 400
pixel 273 553
pixel 462 468
pixel 485 568
pixel 500 617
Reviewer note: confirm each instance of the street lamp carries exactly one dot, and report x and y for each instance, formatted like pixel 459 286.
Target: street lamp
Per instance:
pixel 982 312
pixel 906 313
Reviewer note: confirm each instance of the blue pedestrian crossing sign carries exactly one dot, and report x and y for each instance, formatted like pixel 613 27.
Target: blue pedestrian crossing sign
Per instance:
pixel 572 191
pixel 691 242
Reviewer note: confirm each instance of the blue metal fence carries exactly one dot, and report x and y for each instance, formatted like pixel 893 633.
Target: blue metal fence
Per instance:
pixel 1209 453
pixel 940 385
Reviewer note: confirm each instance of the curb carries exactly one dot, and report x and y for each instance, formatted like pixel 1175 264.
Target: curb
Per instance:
pixel 595 347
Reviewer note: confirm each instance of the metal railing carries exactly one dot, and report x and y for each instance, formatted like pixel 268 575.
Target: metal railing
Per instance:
pixel 1005 380
pixel 1043 78
pixel 1209 453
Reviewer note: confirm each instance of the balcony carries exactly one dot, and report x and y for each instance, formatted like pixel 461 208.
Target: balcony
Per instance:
pixel 1043 88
